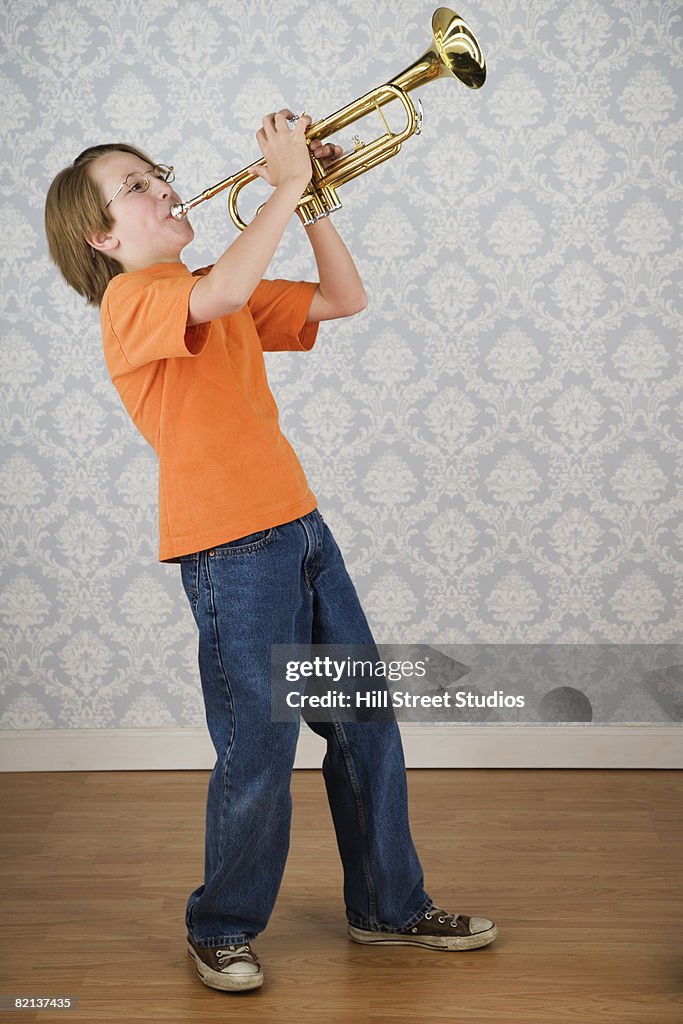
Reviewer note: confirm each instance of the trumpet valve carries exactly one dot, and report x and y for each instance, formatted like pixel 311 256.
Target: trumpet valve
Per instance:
pixel 420 116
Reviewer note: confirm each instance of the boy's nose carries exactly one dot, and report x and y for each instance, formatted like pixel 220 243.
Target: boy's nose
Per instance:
pixel 162 189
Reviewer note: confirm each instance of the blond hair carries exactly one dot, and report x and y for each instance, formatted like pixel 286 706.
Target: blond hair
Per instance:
pixel 74 209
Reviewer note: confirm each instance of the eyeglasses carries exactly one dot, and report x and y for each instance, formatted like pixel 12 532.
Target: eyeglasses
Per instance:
pixel 138 182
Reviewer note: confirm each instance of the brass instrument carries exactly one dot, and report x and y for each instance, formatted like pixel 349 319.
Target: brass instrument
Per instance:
pixel 454 53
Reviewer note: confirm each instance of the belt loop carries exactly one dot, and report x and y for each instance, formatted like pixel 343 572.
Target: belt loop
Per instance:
pixel 317 530
pixel 320 530
pixel 310 535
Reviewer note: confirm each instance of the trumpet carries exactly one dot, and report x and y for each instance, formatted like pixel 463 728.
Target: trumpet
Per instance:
pixel 454 53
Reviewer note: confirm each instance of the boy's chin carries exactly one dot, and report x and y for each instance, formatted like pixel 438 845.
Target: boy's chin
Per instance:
pixel 190 232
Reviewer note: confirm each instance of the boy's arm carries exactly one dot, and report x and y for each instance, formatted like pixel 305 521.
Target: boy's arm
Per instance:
pixel 340 290
pixel 233 277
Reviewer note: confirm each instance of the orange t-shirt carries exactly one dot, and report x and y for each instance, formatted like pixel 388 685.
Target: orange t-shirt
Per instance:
pixel 200 396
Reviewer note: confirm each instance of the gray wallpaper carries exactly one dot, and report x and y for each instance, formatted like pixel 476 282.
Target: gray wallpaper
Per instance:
pixel 495 441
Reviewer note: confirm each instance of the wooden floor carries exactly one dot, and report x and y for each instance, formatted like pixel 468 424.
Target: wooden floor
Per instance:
pixel 580 869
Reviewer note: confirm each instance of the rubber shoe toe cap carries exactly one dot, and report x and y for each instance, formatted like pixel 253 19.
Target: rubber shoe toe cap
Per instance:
pixel 480 924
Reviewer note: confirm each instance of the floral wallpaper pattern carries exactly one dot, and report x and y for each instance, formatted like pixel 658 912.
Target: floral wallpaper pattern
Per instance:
pixel 495 441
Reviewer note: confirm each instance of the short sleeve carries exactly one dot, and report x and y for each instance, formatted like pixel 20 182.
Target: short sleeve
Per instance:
pixel 279 309
pixel 147 316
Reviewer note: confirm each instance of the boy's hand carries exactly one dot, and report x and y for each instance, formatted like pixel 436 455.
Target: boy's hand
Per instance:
pixel 281 147
pixel 285 150
pixel 326 152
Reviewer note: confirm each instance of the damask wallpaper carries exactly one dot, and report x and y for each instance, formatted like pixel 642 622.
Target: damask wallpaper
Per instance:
pixel 495 441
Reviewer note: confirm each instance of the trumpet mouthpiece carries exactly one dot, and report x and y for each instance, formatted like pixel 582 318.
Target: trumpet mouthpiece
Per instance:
pixel 178 211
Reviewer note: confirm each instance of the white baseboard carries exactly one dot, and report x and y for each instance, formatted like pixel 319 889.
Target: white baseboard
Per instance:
pixel 425 746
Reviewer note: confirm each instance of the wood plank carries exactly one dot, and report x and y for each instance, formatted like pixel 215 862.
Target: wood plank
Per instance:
pixel 580 869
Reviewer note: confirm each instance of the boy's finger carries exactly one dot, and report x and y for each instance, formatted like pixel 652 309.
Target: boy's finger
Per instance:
pixel 326 149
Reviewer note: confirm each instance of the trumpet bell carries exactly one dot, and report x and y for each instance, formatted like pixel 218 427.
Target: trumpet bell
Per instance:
pixel 454 52
pixel 458 48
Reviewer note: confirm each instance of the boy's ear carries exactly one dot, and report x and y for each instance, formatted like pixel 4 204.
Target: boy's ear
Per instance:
pixel 102 241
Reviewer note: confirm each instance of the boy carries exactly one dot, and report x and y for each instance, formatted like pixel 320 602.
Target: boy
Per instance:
pixel 258 564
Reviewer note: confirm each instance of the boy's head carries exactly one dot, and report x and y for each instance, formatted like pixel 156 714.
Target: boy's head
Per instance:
pixel 97 227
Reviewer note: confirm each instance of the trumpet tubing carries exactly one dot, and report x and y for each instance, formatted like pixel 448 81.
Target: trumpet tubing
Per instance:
pixel 454 53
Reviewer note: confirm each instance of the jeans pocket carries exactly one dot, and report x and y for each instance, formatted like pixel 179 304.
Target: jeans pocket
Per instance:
pixel 246 545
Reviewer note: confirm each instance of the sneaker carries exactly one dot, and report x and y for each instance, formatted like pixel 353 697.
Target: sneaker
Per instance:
pixel 229 968
pixel 447 931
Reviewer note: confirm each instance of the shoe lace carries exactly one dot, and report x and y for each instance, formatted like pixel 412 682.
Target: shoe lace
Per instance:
pixel 226 956
pixel 443 916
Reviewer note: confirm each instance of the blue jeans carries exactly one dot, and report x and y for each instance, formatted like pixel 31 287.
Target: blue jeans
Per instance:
pixel 289 584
